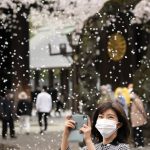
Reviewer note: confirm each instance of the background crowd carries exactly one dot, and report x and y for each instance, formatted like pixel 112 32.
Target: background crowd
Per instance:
pixel 43 101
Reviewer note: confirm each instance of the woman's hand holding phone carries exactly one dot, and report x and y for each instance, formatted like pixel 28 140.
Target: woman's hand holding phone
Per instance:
pixel 69 124
pixel 86 130
pixel 73 125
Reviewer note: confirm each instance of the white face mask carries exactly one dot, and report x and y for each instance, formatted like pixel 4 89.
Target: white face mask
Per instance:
pixel 106 127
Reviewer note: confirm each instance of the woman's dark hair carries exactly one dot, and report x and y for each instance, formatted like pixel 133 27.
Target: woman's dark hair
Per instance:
pixel 123 133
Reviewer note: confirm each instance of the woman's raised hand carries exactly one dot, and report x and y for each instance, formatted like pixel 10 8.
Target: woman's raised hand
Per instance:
pixel 69 124
pixel 86 130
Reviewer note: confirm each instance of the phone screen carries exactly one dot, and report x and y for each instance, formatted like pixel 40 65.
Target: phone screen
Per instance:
pixel 75 134
pixel 79 120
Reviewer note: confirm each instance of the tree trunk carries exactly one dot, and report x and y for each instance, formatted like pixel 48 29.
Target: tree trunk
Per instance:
pixel 20 51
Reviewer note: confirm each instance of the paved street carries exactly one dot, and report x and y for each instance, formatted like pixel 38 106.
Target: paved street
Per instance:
pixel 35 141
pixel 49 141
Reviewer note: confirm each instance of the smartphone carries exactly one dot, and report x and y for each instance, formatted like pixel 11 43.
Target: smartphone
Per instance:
pixel 75 134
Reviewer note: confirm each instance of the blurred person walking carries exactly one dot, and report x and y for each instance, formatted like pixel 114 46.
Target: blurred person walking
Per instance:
pixel 53 91
pixel 8 115
pixel 121 99
pixel 104 94
pixel 1 107
pixel 34 95
pixel 59 106
pixel 110 91
pixel 43 106
pixel 24 109
pixel 138 119
pixel 130 87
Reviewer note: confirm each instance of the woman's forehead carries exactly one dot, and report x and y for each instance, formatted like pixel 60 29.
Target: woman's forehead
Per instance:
pixel 109 112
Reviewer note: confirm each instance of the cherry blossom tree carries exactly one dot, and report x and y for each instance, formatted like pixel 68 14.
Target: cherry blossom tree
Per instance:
pixel 58 13
pixel 142 14
pixel 15 16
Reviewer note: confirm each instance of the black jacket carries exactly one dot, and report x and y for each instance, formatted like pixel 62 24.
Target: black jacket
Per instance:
pixel 7 109
pixel 1 107
pixel 24 107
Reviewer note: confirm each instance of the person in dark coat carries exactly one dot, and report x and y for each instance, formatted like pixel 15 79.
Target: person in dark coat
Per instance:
pixel 34 95
pixel 1 107
pixel 54 93
pixel 59 105
pixel 8 115
pixel 24 109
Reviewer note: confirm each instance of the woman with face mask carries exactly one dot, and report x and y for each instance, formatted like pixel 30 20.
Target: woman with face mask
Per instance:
pixel 109 130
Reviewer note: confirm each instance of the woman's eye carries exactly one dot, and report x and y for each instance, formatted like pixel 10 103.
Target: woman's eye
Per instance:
pixel 100 116
pixel 110 117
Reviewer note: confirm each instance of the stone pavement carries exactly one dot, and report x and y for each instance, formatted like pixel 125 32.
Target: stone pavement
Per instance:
pixel 35 141
pixel 49 141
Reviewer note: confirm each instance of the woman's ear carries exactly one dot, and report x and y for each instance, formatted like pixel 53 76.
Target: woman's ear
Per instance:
pixel 119 125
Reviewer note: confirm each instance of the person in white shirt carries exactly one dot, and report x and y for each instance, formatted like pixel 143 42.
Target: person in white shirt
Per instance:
pixel 43 107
